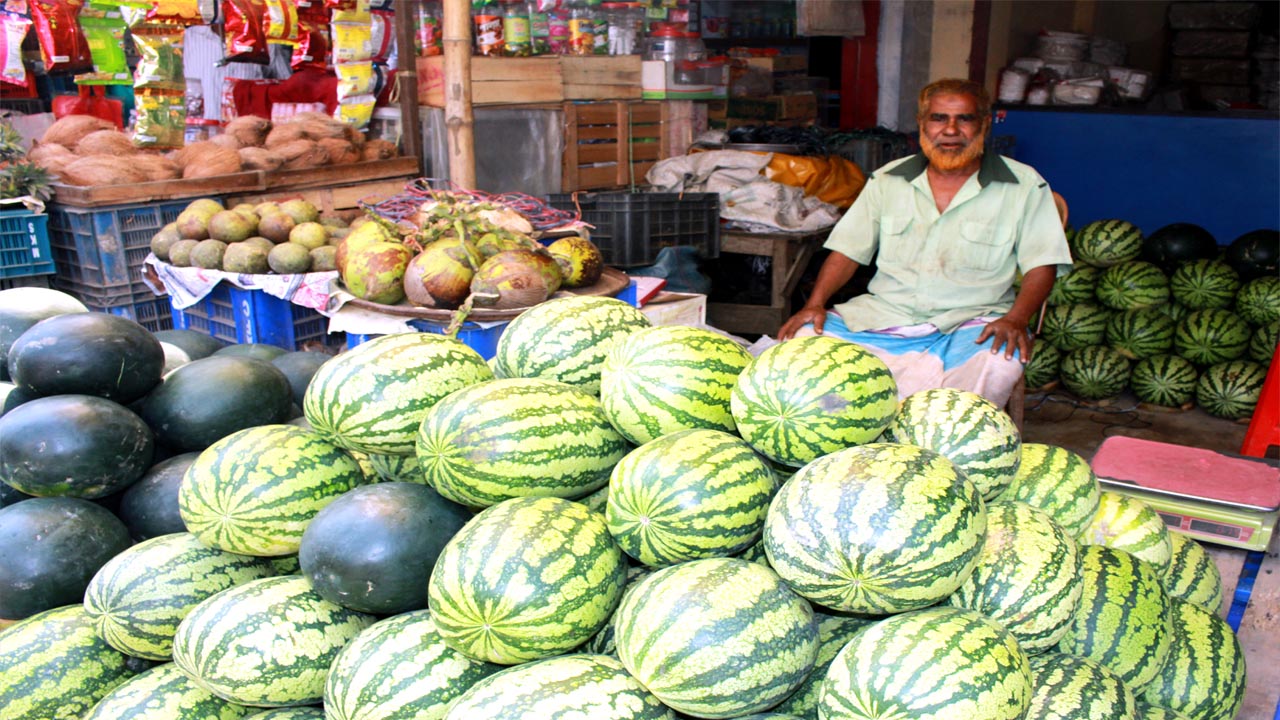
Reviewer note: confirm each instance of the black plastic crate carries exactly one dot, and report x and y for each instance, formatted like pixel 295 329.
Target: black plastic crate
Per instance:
pixel 630 228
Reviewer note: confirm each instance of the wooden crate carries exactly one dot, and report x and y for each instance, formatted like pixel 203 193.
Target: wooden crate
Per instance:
pixel 338 199
pixel 601 77
pixel 611 144
pixel 496 81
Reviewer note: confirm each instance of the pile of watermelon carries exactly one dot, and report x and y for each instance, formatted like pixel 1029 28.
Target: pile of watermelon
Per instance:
pixel 1171 317
pixel 608 520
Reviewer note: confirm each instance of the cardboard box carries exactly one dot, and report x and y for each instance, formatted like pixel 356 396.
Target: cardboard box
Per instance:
pixel 658 83
pixel 780 63
pixel 677 309
pixel 496 81
pixel 800 106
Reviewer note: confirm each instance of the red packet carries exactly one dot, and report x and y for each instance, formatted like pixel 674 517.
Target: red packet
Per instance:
pixel 245 37
pixel 63 46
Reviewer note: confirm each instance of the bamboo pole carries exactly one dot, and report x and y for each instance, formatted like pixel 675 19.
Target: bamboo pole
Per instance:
pixel 459 120
pixel 407 81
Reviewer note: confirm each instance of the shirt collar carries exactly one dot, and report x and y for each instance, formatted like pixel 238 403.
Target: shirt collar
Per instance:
pixel 993 169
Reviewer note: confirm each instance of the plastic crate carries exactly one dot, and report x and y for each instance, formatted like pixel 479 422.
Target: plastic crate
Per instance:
pixel 154 314
pixel 481 339
pixel 24 244
pixel 99 251
pixel 630 228
pixel 236 315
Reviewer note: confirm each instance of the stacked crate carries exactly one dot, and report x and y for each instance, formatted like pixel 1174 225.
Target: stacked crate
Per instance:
pixel 770 90
pixel 1211 44
pixel 613 143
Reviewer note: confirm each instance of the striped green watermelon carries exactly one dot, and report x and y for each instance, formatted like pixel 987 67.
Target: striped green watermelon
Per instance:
pixel 1042 368
pixel 138 598
pixel 1065 687
pixel 664 379
pixel 399 669
pixel 1204 677
pixel 1095 372
pixel 1123 617
pixel 933 664
pixel 1027 577
pixel 1208 337
pixel 396 468
pixel 1258 301
pixel 1058 482
pixel 810 396
pixel 55 666
pixel 688 495
pixel 717 638
pixel 566 340
pixel 586 686
pixel 1126 523
pixel 1132 286
pixel 292 713
pixel 266 643
pixel 1193 575
pixel 164 693
pixel 372 397
pixel 1071 327
pixel 966 428
pixel 1141 333
pixel 1075 287
pixel 1262 343
pixel 901 528
pixel 1204 284
pixel 1155 712
pixel 1166 380
pixel 597 500
pixel 1175 310
pixel 525 579
pixel 521 437
pixel 1104 243
pixel 254 491
pixel 1231 389
pixel 605 641
pixel 756 553
pixel 834 631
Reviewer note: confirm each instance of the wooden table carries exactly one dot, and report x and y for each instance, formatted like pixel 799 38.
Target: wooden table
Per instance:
pixel 790 254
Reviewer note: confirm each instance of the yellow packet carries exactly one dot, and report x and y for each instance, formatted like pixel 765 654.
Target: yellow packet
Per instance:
pixel 354 79
pixel 161 120
pixel 281 24
pixel 357 111
pixel 358 13
pixel 352 42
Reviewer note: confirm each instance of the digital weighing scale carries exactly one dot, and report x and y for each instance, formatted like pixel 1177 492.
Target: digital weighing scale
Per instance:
pixel 1211 496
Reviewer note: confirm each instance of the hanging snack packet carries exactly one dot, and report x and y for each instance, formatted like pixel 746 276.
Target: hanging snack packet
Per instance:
pixel 242 28
pixel 281 26
pixel 352 42
pixel 159 58
pixel 12 29
pixel 356 111
pixel 161 119
pixel 357 12
pixel 105 31
pixel 62 46
pixel 181 12
pixel 383 34
pixel 312 49
pixel 355 78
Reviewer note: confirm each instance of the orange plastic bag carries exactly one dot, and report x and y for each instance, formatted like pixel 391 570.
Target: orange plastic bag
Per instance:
pixel 831 179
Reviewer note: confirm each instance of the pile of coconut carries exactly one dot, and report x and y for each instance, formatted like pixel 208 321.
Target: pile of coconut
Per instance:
pixel 85 150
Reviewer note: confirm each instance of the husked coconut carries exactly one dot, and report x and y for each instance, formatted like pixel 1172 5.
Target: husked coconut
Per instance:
pixel 67 131
pixel 106 142
pixel 250 130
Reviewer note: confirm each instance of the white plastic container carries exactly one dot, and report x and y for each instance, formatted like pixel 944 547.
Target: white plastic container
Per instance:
pixel 1013 85
pixel 1052 45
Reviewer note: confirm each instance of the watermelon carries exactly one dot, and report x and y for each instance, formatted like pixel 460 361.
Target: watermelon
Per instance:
pixel 1174 310
pixel 22 307
pixel 1262 343
pixel 1208 337
pixel 95 354
pixel 55 666
pixel 396 468
pixel 1096 372
pixel 1122 620
pixel 1166 380
pixel 258 351
pixel 399 669
pixel 596 501
pixel 664 379
pixel 966 428
pixel 717 637
pixel 834 631
pixel 517 438
pixel 254 491
pixel 50 548
pixel 266 643
pixel 1126 523
pixel 1258 302
pixel 164 693
pixel 196 345
pixel 1231 389
pixel 1155 712
pixel 1058 482
pixel 1132 286
pixel 1065 687
pixel 1071 327
pixel 300 367
pixel 604 642
pixel 565 340
pixel 1104 243
pixel 1204 677
pixel 960 664
pixel 1027 576
pixel 1193 575
pixel 1255 254
pixel 149 507
pixel 1204 284
pixel 810 396
pixel 688 495
pixel 138 598
pixel 1075 287
pixel 372 398
pixel 1172 245
pixel 525 579
pixel 291 713
pixel 206 400
pixel 901 529
pixel 586 686
pixel 1042 368
pixel 1138 334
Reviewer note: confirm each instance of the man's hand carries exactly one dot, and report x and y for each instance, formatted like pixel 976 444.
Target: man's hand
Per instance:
pixel 817 316
pixel 1009 334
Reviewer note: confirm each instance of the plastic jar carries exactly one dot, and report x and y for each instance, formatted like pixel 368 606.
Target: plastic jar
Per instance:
pixel 516 33
pixel 666 44
pixel 582 32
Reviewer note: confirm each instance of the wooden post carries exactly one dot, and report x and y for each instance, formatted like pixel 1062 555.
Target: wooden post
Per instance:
pixel 459 120
pixel 407 78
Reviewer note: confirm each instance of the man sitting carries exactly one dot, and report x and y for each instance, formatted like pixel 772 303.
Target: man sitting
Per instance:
pixel 948 229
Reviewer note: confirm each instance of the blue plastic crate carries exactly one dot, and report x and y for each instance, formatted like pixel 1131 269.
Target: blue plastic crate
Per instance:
pixel 236 315
pixel 481 339
pixel 24 244
pixel 153 314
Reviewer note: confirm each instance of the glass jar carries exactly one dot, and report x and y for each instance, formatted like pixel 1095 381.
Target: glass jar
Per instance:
pixel 626 23
pixel 427 36
pixel 516 35
pixel 582 31
pixel 666 44
pixel 487 21
pixel 539 28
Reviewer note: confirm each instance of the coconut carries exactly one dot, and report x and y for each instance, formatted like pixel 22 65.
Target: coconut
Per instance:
pixel 440 276
pixel 354 136
pixel 256 158
pixel 340 151
pixel 188 153
pixel 318 125
pixel 98 170
pixel 157 167
pixel 513 279
pixel 51 156
pixel 106 142
pixel 580 260
pixel 283 135
pixel 311 155
pixel 379 150
pixel 67 131
pixel 211 162
pixel 250 130
pixel 227 141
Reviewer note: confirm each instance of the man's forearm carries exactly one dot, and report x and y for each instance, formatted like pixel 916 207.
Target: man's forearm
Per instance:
pixel 1036 286
pixel 835 272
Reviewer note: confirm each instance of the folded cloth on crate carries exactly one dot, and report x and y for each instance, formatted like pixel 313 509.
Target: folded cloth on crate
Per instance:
pixel 186 286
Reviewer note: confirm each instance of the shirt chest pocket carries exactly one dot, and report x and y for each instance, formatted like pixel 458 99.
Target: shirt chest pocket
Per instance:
pixel 983 246
pixel 895 239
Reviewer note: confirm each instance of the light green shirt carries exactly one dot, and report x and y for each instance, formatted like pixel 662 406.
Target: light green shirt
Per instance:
pixel 947 268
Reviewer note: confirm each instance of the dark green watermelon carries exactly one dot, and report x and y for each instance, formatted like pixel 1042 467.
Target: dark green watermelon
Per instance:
pixel 261 351
pixel 299 367
pixel 195 344
pixel 1172 245
pixel 22 307
pixel 1255 254
pixel 87 354
pixel 206 400
pixel 149 508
